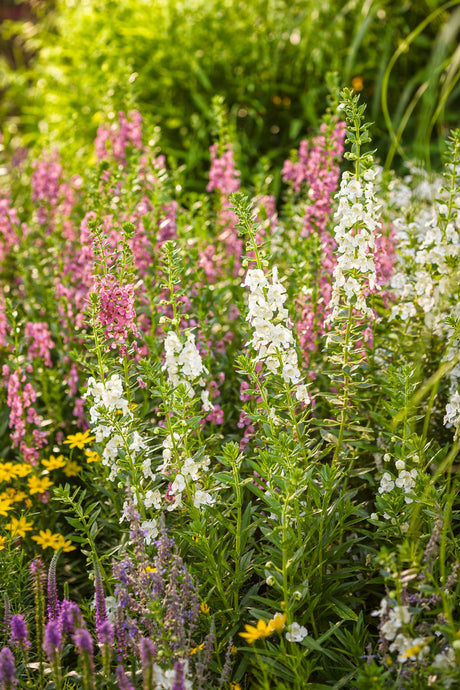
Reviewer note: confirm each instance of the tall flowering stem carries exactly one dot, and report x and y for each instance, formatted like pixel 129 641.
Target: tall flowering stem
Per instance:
pixel 37 570
pixel 355 273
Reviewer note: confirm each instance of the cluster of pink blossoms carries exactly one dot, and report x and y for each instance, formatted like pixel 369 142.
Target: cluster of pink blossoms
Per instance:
pixel 46 185
pixel 9 226
pixel 119 136
pixel 20 399
pixel 116 308
pixel 317 170
pixel 39 341
pixel 224 178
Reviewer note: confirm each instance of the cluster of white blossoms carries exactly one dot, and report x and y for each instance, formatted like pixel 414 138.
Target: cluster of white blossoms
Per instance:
pixel 423 278
pixel 272 336
pixel 405 480
pixel 186 479
pixel 296 632
pixel 108 405
pixel 183 365
pixel 355 233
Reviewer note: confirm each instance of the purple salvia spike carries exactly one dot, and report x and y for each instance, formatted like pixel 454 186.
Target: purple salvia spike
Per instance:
pixel 8 679
pixel 53 598
pixel 19 633
pixel 101 613
pixel 122 679
pixel 179 678
pixel 84 644
pixel 70 616
pixel 52 643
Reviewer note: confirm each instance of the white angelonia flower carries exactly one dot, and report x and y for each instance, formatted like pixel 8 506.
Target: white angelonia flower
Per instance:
pixel 152 498
pixel 183 365
pixel 355 233
pixel 202 498
pixel 296 632
pixel 386 483
pixel 272 337
pixel 150 529
pixel 178 484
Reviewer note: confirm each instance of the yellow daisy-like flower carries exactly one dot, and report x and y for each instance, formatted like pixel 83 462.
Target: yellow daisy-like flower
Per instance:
pixel 278 622
pixel 61 542
pixel 204 608
pixel 37 485
pixel 7 472
pixel 46 538
pixel 54 463
pixel 15 495
pixel 2 543
pixel 194 650
pixel 72 468
pixel 92 456
pixel 148 571
pixel 78 440
pixel 18 528
pixel 5 505
pixel 235 686
pixel 21 469
pixel 253 633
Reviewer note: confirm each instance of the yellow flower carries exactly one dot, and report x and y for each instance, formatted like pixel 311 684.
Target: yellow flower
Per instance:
pixel 21 469
pixel 46 538
pixel 194 650
pixel 92 456
pixel 37 485
pixel 78 440
pixel 7 472
pixel 5 505
pixel 252 633
pixel 148 570
pixel 18 528
pixel 2 542
pixel 357 83
pixel 61 542
pixel 234 649
pixel 54 463
pixel 235 686
pixel 278 621
pixel 204 608
pixel 15 495
pixel 72 469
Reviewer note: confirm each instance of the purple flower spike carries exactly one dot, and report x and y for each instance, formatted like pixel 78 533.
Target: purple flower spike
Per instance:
pixel 53 598
pixel 8 678
pixel 52 643
pixel 105 633
pixel 83 641
pixel 101 614
pixel 179 678
pixel 70 616
pixel 19 633
pixel 122 679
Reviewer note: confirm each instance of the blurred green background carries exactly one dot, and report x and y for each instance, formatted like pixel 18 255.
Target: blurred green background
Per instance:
pixel 69 65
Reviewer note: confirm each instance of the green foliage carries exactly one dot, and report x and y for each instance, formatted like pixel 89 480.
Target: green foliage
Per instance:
pixel 266 60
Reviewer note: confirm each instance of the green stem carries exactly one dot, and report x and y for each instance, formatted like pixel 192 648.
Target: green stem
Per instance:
pixel 346 386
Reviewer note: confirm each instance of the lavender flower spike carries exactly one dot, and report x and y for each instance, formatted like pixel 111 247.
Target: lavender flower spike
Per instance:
pixel 122 679
pixel 53 599
pixel 52 643
pixel 19 633
pixel 84 645
pixel 8 679
pixel 101 613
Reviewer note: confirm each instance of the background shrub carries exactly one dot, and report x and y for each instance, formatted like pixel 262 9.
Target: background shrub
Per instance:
pixel 266 58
